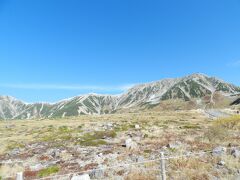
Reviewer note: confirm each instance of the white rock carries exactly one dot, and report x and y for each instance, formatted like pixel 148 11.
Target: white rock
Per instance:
pixel 81 177
pixel 100 154
pixel 130 144
pixel 221 163
pixel 137 126
pixel 109 125
pixel 36 167
pixel 174 145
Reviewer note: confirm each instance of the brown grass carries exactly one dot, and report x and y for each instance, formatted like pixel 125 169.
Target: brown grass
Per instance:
pixel 140 175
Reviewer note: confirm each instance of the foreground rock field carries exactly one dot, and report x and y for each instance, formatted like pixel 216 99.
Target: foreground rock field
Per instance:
pixel 122 146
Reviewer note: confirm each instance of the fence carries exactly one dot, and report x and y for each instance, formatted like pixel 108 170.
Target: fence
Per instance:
pixel 158 166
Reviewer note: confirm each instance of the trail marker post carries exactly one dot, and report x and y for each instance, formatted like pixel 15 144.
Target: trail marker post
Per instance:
pixel 163 168
pixel 19 176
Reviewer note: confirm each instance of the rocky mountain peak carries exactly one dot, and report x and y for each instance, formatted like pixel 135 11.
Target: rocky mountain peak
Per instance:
pixel 196 87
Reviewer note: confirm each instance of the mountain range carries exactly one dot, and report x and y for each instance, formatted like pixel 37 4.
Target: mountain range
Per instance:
pixel 192 91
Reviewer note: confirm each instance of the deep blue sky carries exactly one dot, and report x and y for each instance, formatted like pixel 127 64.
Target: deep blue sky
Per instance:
pixel 53 49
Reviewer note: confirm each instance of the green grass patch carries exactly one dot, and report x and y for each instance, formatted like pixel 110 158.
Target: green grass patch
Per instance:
pixel 96 138
pixel 190 126
pixel 48 171
pixel 64 129
pixel 105 134
pixel 13 145
pixel 56 137
pixel 147 151
pixel 63 133
pixel 173 150
pixel 123 127
pixel 96 142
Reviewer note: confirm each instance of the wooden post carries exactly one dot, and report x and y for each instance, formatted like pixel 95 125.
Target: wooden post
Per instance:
pixel 19 176
pixel 163 170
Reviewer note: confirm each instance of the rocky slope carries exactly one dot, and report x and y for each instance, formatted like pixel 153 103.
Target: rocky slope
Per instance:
pixel 10 107
pixel 196 88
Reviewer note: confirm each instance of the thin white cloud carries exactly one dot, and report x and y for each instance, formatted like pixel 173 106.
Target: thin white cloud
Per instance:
pixel 234 64
pixel 67 87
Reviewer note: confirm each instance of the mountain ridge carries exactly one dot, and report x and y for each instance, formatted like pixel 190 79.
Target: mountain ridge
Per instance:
pixel 197 88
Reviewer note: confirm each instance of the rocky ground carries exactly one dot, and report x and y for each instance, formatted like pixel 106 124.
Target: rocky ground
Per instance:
pixel 122 146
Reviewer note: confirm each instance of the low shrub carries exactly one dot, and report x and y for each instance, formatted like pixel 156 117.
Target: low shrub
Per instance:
pixel 232 122
pixel 216 133
pixel 221 128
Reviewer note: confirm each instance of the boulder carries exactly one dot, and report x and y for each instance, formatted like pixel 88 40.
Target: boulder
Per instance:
pixel 55 153
pixel 81 177
pixel 36 167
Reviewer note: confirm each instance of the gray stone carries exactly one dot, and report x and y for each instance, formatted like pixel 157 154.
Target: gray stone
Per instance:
pixel 55 153
pixel 219 151
pixel 140 159
pixel 97 174
pixel 174 145
pixel 14 152
pixel 136 158
pixel 235 152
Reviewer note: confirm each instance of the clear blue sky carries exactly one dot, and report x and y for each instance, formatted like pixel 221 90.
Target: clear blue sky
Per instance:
pixel 53 49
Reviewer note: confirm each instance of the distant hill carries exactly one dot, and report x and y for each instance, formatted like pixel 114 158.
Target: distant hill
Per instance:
pixel 193 91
